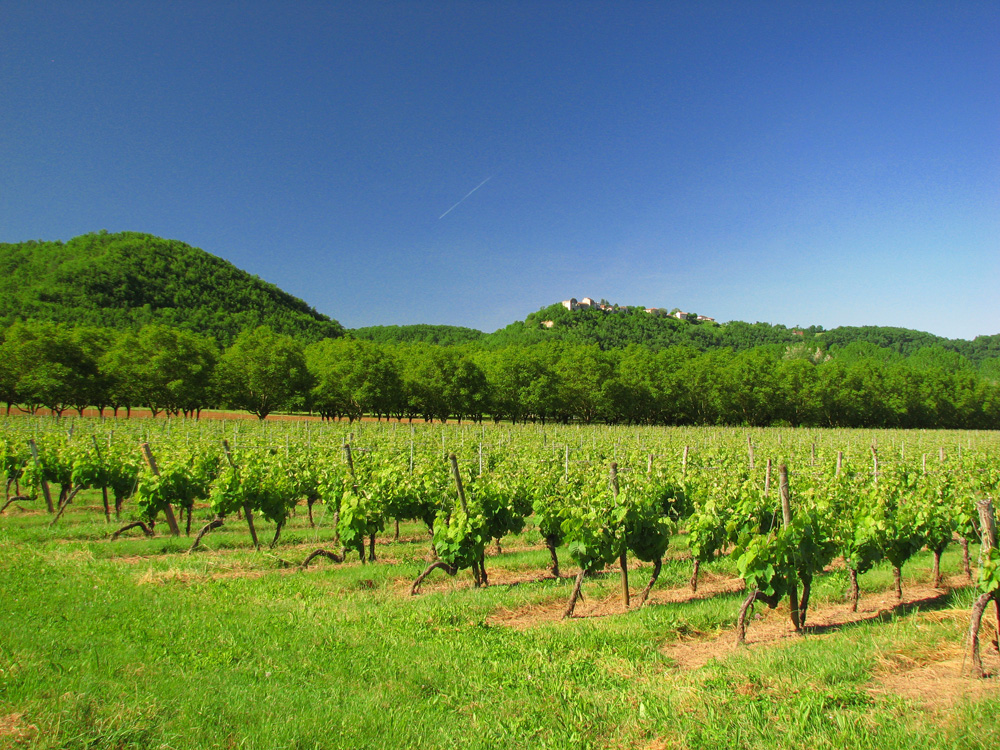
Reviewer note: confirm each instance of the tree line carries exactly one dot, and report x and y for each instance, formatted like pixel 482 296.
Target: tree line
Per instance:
pixel 175 371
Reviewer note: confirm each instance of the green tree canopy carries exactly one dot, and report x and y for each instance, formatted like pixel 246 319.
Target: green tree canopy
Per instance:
pixel 263 371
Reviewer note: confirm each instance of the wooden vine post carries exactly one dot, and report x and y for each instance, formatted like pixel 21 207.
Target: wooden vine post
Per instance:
pixel 786 521
pixel 478 573
pixel 478 569
pixel 987 522
pixel 247 510
pixel 43 482
pixel 349 459
pixel 340 557
pixel 220 519
pixel 623 555
pixel 453 459
pixel 104 487
pixel 168 509
pixel 771 600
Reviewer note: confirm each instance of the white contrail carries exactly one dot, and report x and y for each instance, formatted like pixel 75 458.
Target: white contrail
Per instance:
pixel 466 196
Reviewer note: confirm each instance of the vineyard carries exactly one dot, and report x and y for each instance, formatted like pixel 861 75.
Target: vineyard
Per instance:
pixel 213 583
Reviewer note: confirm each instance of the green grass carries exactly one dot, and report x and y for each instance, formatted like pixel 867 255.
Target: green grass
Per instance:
pixel 134 644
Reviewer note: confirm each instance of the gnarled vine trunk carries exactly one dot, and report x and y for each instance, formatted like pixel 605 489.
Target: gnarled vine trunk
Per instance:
pixel 551 545
pixel 741 623
pixel 575 595
pixel 657 565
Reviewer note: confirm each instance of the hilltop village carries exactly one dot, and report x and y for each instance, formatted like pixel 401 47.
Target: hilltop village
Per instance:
pixel 588 303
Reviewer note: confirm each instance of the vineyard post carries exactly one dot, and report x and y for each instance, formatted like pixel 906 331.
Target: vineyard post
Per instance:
pixel 247 510
pixel 354 487
pixel 350 466
pixel 478 567
pixel 623 555
pixel 104 486
pixel 924 465
pixel 786 518
pixel 750 453
pixel 684 462
pixel 987 521
pixel 44 483
pixel 458 482
pixel 812 456
pixel 767 478
pixel 649 464
pixel 168 509
pixel 989 533
pixel 840 462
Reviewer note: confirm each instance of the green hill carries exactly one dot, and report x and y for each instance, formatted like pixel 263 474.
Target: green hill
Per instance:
pixel 127 279
pixel 618 328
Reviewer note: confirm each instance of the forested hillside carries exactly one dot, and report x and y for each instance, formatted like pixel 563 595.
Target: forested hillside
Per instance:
pixel 129 279
pixel 617 329
pixel 621 328
pixel 418 334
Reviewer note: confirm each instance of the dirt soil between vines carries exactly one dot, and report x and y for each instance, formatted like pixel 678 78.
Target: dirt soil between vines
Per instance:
pixel 768 628
pixel 524 618
pixel 936 678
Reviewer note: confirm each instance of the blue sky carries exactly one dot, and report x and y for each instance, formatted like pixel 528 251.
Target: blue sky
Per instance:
pixel 826 163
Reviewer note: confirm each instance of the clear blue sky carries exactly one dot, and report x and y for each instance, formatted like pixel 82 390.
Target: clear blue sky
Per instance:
pixel 827 163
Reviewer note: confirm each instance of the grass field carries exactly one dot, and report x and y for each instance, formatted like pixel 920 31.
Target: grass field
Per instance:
pixel 135 644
